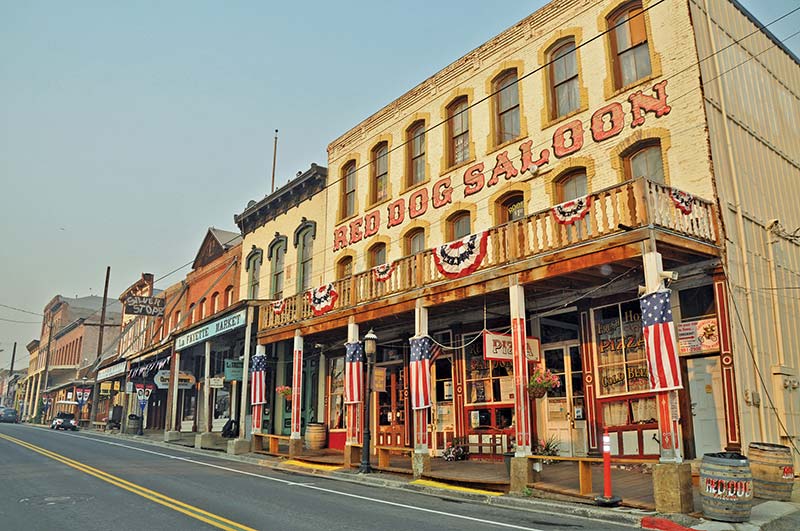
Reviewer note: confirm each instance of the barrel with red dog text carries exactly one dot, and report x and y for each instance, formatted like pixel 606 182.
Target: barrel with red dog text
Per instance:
pixel 726 487
pixel 773 470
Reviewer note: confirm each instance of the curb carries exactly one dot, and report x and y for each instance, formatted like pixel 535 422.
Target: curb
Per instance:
pixel 662 524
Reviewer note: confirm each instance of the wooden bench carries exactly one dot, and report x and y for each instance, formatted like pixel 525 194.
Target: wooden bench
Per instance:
pixel 97 424
pixel 585 467
pixel 385 452
pixel 273 441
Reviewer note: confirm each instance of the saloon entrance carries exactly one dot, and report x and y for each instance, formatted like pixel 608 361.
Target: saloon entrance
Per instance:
pixel 564 406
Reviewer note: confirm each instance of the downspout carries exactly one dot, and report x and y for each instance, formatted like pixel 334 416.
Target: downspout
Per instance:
pixel 739 216
pixel 772 240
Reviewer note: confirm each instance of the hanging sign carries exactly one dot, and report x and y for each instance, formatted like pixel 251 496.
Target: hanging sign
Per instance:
pixel 112 370
pixel 698 337
pixel 214 328
pixel 233 370
pixel 499 347
pixel 379 379
pixel 149 306
pixel 216 383
pixel 185 380
pixel 105 389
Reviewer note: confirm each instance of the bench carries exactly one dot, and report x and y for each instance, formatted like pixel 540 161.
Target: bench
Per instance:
pixel 385 452
pixel 97 424
pixel 273 441
pixel 585 467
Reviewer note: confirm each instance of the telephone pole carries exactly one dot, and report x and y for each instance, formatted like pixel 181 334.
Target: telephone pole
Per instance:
pixel 96 364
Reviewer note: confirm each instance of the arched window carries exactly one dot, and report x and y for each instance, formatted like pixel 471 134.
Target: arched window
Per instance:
pixel 459 225
pixel 644 160
pixel 511 207
pixel 348 206
pixel 277 255
pixel 344 268
pixel 380 172
pixel 214 303
pixel 253 268
pixel 415 241
pixel 506 98
pixel 228 296
pixel 629 47
pixel 564 91
pixel 192 316
pixel 458 131
pixel 305 255
pixel 377 254
pixel 201 305
pixel 572 185
pixel 176 320
pixel 416 153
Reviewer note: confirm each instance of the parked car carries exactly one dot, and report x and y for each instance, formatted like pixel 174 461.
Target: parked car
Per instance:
pixel 8 414
pixel 64 421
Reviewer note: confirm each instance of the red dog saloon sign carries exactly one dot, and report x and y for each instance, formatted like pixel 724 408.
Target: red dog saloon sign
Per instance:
pixel 568 139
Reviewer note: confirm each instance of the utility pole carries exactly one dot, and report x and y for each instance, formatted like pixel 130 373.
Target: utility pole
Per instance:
pixel 11 372
pixel 95 387
pixel 274 158
pixel 43 388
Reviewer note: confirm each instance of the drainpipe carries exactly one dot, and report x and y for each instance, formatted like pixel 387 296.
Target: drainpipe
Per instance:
pixel 773 240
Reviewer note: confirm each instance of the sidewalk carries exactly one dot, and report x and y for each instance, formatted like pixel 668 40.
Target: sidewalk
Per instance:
pixel 487 482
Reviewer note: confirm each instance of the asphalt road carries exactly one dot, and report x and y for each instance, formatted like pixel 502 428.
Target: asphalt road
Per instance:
pixel 61 480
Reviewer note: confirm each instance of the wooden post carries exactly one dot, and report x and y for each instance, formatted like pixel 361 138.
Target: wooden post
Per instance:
pixel 296 440
pixel 519 341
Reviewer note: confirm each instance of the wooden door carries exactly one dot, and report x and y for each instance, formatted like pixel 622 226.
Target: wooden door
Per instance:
pixel 391 409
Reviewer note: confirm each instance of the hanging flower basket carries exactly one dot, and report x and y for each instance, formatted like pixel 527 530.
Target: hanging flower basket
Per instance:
pixel 542 381
pixel 285 391
pixel 538 392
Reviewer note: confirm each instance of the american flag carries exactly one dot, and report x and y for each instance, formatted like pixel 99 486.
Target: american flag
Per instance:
pixel 420 366
pixel 436 351
pixel 258 391
pixel 354 374
pixel 659 336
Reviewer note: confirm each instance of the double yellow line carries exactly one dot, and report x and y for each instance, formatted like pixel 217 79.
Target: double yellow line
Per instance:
pixel 189 510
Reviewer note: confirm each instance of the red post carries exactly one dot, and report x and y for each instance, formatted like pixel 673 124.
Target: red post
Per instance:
pixel 607 499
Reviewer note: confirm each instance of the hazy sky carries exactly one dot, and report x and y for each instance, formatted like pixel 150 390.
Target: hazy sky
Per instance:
pixel 128 128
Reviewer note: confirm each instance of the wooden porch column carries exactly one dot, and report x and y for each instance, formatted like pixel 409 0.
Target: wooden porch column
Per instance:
pixel 207 390
pixel 421 458
pixel 245 374
pixel 731 400
pixel 522 414
pixel 172 406
pixel 296 441
pixel 354 411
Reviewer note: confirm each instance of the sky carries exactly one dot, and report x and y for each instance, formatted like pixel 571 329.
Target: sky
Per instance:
pixel 129 128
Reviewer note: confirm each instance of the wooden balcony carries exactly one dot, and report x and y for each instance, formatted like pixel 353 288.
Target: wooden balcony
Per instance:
pixel 627 207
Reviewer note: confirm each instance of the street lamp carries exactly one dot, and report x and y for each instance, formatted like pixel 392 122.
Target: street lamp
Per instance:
pixel 83 398
pixel 370 342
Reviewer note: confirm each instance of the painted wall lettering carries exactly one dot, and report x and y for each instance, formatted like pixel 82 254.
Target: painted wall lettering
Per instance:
pixel 504 167
pixel 397 213
pixel 372 223
pixel 568 139
pixel 355 230
pixel 443 193
pixel 340 238
pixel 474 179
pixel 418 203
pixel 641 103
pixel 616 122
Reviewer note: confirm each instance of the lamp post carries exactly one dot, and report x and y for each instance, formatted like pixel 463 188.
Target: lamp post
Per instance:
pixel 370 343
pixel 83 399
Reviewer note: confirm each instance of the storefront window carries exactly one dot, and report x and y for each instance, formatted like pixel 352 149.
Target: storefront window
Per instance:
pixel 488 381
pixel 621 363
pixel 336 417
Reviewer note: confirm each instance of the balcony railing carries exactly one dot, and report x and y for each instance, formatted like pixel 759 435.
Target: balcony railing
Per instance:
pixel 620 208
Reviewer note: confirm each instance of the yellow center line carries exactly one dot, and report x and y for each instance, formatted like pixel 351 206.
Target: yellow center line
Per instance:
pixel 176 505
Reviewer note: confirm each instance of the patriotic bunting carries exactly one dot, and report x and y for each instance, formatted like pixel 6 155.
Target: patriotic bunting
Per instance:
pixel 420 365
pixel 683 201
pixel 277 306
pixel 573 210
pixel 461 257
pixel 354 373
pixel 383 272
pixel 659 337
pixel 322 299
pixel 258 391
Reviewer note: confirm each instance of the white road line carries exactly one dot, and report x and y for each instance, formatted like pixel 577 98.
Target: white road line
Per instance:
pixel 311 486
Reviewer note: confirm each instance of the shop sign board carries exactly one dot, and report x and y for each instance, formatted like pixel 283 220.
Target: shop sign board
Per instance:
pixel 105 388
pixel 498 347
pixel 147 306
pixel 214 328
pixel 111 371
pixel 699 336
pixel 379 379
pixel 216 383
pixel 233 370
pixel 161 379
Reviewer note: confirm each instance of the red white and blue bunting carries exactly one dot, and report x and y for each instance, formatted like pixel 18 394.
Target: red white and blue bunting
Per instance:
pixel 683 201
pixel 383 272
pixel 322 299
pixel 573 210
pixel 461 257
pixel 277 306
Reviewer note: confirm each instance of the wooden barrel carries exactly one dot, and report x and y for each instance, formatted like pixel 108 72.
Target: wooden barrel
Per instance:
pixel 726 487
pixel 773 471
pixel 315 436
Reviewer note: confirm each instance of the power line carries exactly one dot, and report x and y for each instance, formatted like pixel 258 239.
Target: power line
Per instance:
pixel 21 310
pixel 19 322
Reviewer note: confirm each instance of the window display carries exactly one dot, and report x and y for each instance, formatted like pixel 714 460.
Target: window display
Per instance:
pixel 337 410
pixel 621 362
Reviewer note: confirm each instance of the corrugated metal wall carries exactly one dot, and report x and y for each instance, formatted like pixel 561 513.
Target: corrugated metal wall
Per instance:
pixel 752 101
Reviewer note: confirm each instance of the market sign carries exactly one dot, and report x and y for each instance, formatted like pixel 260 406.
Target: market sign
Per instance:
pixel 149 306
pixel 698 337
pixel 233 370
pixel 112 370
pixel 214 328
pixel 499 347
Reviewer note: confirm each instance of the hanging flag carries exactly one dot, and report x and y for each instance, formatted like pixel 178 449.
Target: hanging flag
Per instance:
pixel 461 257
pixel 420 368
pixel 258 389
pixel 659 337
pixel 683 201
pixel 322 299
pixel 354 373
pixel 277 306
pixel 383 272
pixel 436 351
pixel 573 210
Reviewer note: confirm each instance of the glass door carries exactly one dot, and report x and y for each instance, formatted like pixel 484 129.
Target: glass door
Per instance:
pixel 443 412
pixel 564 407
pixel 391 408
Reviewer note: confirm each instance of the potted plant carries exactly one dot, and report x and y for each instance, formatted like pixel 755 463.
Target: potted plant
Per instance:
pixel 542 381
pixel 546 447
pixel 457 450
pixel 285 391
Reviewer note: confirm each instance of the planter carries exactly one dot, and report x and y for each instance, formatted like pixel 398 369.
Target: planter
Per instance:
pixel 538 392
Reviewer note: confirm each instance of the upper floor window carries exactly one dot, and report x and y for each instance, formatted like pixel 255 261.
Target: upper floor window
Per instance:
pixel 380 172
pixel 176 320
pixel 416 153
pixel 415 241
pixel 459 225
pixel 253 267
pixel 305 254
pixel 214 302
pixel 344 268
pixel 228 296
pixel 277 256
pixel 506 94
pixel 202 309
pixel 629 47
pixel 377 254
pixel 349 190
pixel 192 315
pixel 572 186
pixel 458 131
pixel 511 207
pixel 564 92
pixel 645 161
